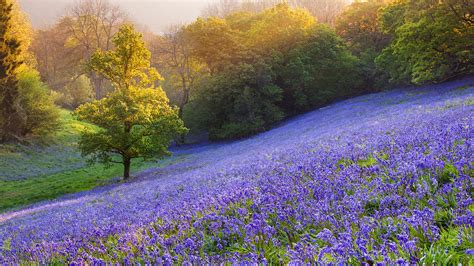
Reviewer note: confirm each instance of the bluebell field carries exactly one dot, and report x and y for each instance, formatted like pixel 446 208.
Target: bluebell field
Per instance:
pixel 385 177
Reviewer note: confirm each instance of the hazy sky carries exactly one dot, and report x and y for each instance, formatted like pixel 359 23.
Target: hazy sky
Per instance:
pixel 156 14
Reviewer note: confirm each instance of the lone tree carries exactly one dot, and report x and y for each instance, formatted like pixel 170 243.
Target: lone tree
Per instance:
pixel 10 51
pixel 135 120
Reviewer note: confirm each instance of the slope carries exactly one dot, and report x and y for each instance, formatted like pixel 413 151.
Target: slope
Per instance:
pixel 380 178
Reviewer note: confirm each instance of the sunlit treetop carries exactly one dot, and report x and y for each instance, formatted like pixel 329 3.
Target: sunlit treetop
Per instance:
pixel 359 25
pixel 128 64
pixel 22 31
pixel 280 26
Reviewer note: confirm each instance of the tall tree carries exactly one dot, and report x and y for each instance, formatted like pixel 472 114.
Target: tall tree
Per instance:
pixel 63 49
pixel 180 68
pixel 359 26
pixel 279 29
pixel 59 58
pixel 94 24
pixel 214 42
pixel 135 121
pixel 241 100
pixel 221 8
pixel 23 31
pixel 174 52
pixel 284 63
pixel 10 61
pixel 326 11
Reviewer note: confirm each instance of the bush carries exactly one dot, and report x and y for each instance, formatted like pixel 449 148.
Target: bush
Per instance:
pixel 39 114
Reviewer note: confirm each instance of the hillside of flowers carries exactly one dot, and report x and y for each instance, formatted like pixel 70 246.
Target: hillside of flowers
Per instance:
pixel 386 178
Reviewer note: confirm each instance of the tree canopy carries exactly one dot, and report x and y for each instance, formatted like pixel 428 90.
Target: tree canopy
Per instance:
pixel 433 40
pixel 264 67
pixel 360 27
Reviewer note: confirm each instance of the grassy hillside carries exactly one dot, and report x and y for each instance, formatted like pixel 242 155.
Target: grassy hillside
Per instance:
pixel 54 167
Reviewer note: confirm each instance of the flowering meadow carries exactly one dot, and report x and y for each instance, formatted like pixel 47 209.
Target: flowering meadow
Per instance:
pixel 382 178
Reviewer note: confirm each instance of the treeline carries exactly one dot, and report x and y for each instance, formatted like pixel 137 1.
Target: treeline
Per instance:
pixel 258 68
pixel 241 72
pixel 246 65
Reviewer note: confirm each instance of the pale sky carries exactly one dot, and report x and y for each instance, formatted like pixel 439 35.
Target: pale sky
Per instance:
pixel 155 14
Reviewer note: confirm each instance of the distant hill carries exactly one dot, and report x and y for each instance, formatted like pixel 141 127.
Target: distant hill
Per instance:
pixel 157 15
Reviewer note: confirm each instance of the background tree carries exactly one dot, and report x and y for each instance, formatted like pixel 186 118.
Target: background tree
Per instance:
pixel 24 33
pixel 135 120
pixel 325 11
pixel 94 23
pixel 241 101
pixel 214 43
pixel 63 49
pixel 180 69
pixel 58 60
pixel 432 40
pixel 317 72
pixel 279 29
pixel 359 26
pixel 281 63
pixel 171 53
pixel 39 114
pixel 10 61
pixel 78 92
pixel 222 8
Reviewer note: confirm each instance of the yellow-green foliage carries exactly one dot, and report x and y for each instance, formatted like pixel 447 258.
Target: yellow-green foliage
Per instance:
pixel 280 28
pixel 128 64
pixel 77 92
pixel 213 42
pixel 432 40
pixel 132 123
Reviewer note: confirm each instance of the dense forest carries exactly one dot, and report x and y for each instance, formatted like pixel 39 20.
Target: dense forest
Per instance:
pixel 236 71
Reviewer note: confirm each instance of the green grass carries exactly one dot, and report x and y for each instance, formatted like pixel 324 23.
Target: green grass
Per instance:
pixel 49 155
pixel 17 193
pixel 37 172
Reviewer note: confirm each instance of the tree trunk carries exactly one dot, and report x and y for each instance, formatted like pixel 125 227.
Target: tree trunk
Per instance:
pixel 9 112
pixel 97 81
pixel 126 168
pixel 181 138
